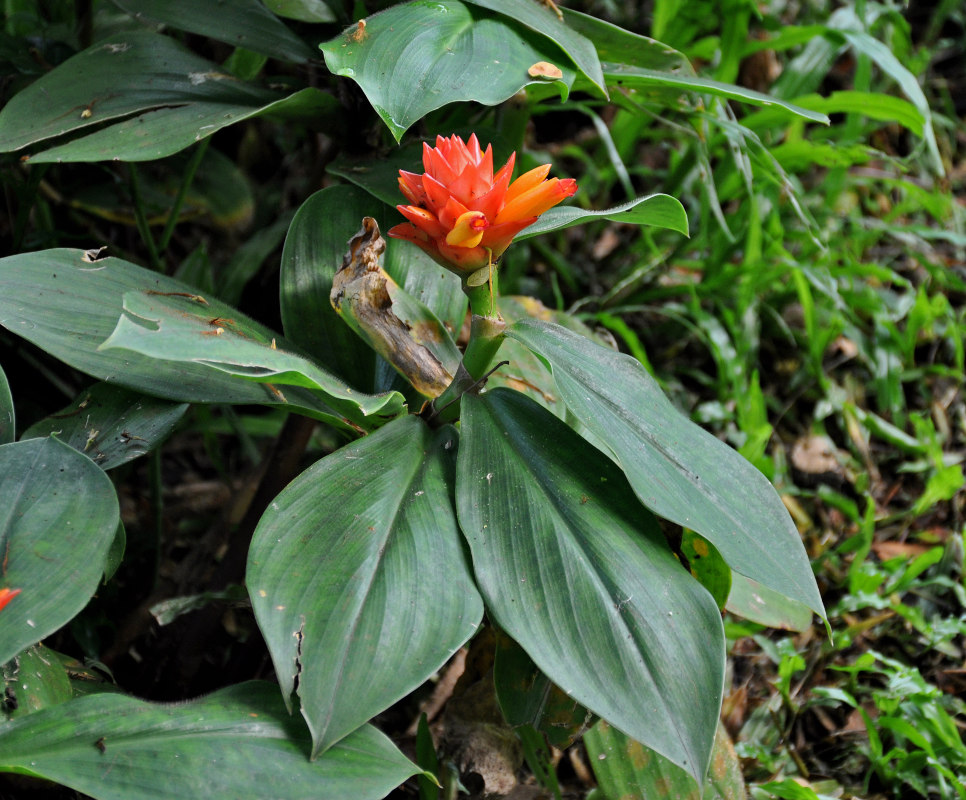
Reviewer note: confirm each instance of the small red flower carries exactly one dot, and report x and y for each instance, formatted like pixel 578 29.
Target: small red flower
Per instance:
pixel 6 595
pixel 462 214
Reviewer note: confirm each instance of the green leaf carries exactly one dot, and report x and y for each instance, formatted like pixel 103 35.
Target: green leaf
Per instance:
pixel 302 10
pixel 358 579
pixel 886 60
pixel 677 469
pixel 528 697
pixel 237 742
pixel 874 105
pixel 179 329
pixel 629 76
pixel 317 241
pixel 57 522
pixel 427 283
pixel 579 574
pixel 658 210
pixel 34 679
pixel 68 305
pixel 8 419
pixel 617 45
pixel 758 603
pixel 156 97
pixel 625 768
pixel 527 373
pixel 380 176
pixel 111 425
pixel 707 566
pixel 801 154
pixel 637 62
pixel 416 57
pixel 540 18
pixel 245 23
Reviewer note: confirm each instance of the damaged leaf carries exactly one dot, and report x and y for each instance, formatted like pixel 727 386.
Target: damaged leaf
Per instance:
pixel 397 326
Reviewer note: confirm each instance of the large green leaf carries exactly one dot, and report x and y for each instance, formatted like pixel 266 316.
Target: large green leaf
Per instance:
pixel 181 330
pixel 68 305
pixel 631 61
pixel 58 519
pixel 358 578
pixel 157 97
pixel 579 574
pixel 677 469
pixel 245 23
pixel 7 417
pixel 625 768
pixel 659 210
pixel 238 742
pixel 751 600
pixel 317 241
pixel 416 57
pixel 540 18
pixel 111 425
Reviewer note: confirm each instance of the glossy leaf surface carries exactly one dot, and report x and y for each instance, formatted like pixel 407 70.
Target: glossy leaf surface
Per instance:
pixel 245 23
pixel 57 522
pixel 182 330
pixel 317 241
pixel 416 57
pixel 69 306
pixel 751 600
pixel 7 417
pixel 111 425
pixel 579 574
pixel 303 10
pixel 358 578
pixel 157 97
pixel 677 469
pixel 658 210
pixel 238 742
pixel 541 18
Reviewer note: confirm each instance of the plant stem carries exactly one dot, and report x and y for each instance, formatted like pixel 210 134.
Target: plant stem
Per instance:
pixel 189 176
pixel 486 327
pixel 144 228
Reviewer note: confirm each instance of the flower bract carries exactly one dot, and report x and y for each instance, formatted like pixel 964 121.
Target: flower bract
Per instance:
pixel 6 595
pixel 463 214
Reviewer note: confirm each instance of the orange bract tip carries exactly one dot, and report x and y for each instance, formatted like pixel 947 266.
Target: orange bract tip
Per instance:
pixel 6 595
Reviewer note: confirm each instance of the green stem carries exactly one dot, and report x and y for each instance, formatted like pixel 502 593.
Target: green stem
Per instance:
pixel 144 227
pixel 487 329
pixel 189 176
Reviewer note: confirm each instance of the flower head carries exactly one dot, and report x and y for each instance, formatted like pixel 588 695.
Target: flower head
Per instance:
pixel 461 213
pixel 6 595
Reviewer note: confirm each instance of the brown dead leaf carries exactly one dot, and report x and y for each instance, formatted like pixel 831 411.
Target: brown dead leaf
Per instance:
pixel 544 69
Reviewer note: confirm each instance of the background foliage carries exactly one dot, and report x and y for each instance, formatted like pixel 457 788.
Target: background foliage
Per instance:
pixel 813 320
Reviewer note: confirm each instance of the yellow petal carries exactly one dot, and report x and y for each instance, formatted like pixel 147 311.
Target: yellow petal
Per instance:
pixel 468 230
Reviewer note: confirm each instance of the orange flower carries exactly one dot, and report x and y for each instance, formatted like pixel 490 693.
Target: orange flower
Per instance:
pixel 6 595
pixel 461 213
